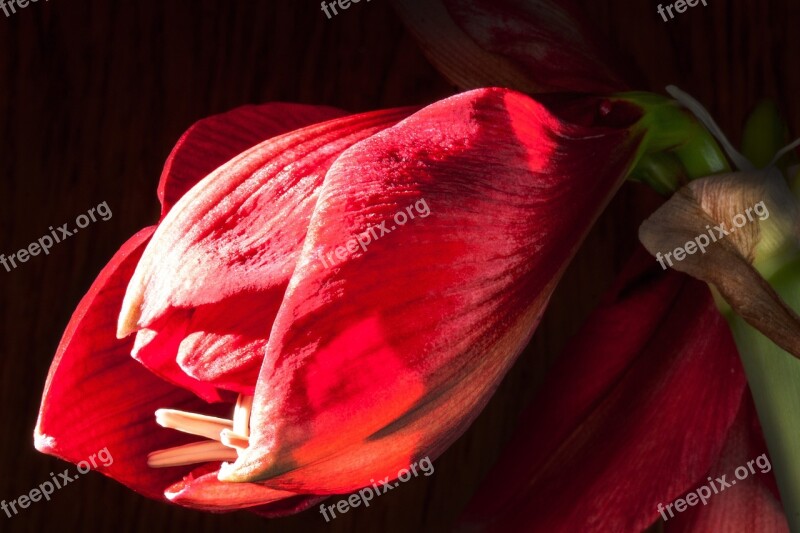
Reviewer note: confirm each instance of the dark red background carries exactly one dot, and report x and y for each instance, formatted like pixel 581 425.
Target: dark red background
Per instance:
pixel 93 95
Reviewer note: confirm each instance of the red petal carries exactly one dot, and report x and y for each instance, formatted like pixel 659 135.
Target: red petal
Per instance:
pixel 226 346
pixel 388 354
pixel 97 397
pixel 532 47
pixel 288 506
pixel 156 348
pixel 230 245
pixel 640 422
pixel 749 505
pixel 213 141
pixel 206 492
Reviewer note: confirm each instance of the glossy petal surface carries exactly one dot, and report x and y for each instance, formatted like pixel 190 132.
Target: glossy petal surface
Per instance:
pixel 383 354
pixel 216 271
pixel 213 141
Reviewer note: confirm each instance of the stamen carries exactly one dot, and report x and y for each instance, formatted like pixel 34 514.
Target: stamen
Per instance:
pixel 192 423
pixel 241 415
pixel 234 440
pixel 228 437
pixel 704 116
pixel 198 452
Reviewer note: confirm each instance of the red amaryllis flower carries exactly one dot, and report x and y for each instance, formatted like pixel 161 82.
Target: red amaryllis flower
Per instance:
pixel 346 363
pixel 656 407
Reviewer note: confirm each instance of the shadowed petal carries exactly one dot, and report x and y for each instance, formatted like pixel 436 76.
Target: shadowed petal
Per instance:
pixel 634 413
pixel 750 504
pixel 531 46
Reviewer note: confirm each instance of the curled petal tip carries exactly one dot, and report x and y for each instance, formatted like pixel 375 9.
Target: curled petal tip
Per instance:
pixel 43 443
pixel 130 312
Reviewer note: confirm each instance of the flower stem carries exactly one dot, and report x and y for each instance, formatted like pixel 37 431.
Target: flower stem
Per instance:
pixel 774 379
pixel 676 147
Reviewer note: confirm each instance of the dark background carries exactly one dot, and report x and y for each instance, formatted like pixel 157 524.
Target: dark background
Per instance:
pixel 93 95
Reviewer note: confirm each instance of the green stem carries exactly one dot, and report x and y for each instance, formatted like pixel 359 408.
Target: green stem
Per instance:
pixel 676 146
pixel 794 183
pixel 774 379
